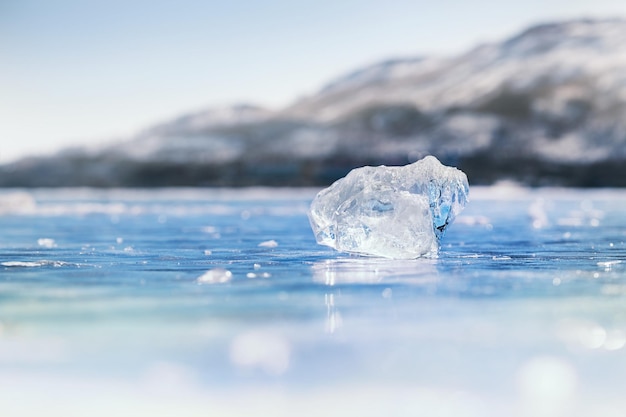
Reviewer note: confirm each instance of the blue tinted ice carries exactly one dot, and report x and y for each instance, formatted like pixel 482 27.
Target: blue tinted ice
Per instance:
pixel 394 212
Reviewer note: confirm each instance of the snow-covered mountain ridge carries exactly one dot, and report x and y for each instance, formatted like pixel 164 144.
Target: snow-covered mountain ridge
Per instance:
pixel 545 56
pixel 546 106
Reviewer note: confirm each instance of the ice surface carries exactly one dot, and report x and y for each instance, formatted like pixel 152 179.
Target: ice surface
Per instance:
pixel 394 212
pixel 136 326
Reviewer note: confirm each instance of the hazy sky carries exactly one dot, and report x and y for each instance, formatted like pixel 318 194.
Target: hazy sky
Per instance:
pixel 81 71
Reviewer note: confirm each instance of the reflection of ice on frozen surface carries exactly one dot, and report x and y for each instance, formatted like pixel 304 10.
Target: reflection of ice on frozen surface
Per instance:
pixel 393 212
pixel 333 317
pixel 373 270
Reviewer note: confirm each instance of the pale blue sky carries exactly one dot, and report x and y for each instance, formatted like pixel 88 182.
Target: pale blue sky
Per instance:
pixel 75 71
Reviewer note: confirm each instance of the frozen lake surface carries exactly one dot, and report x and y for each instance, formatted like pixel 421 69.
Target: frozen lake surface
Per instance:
pixel 201 302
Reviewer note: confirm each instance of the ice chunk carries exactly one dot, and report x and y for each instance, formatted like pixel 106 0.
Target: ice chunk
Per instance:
pixel 394 212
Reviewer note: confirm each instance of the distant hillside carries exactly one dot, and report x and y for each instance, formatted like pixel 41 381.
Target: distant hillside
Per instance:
pixel 544 107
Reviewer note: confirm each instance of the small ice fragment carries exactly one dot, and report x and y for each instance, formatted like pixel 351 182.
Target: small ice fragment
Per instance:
pixel 268 244
pixel 266 275
pixel 21 264
pixel 394 212
pixel 215 276
pixel 27 264
pixel 46 243
pixel 208 252
pixel 257 266
pixel 119 240
pixel 251 275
